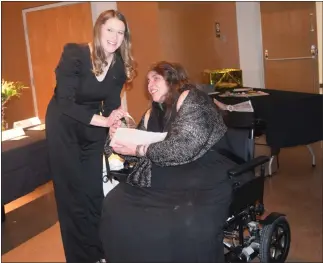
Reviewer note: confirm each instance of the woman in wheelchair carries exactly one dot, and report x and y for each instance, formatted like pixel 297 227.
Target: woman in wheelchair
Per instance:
pixel 173 205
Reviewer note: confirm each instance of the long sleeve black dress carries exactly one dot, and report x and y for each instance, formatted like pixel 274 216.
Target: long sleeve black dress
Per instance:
pixel 76 147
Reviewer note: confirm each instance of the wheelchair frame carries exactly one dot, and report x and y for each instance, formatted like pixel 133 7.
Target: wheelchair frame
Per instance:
pixel 269 238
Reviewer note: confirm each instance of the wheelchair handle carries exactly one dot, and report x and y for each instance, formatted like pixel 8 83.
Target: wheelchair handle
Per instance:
pixel 248 166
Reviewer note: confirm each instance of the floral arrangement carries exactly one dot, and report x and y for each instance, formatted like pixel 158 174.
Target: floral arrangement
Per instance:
pixel 9 89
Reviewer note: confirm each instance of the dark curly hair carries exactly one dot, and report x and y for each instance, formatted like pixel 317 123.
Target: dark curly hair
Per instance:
pixel 177 81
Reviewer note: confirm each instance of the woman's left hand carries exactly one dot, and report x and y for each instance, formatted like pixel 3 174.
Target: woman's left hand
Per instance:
pixel 114 128
pixel 129 149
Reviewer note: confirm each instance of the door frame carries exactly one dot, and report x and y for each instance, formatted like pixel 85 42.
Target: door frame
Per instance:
pixel 30 66
pixel 251 57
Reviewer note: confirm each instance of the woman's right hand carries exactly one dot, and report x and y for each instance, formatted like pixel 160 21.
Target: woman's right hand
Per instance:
pixel 115 116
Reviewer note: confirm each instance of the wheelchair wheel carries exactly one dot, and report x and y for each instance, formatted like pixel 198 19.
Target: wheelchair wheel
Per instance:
pixel 275 241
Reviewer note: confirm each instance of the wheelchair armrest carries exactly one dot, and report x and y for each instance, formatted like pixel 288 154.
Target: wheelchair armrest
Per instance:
pixel 248 166
pixel 120 175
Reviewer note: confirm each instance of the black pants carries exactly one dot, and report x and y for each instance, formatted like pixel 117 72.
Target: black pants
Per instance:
pixel 75 152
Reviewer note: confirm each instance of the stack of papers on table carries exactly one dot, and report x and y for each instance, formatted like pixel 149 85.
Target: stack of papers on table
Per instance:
pixel 13 134
pixel 40 127
pixel 243 94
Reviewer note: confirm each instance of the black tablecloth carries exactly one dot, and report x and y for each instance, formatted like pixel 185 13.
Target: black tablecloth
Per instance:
pixel 24 165
pixel 292 118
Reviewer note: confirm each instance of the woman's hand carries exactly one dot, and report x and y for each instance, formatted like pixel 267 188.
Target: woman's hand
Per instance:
pixel 114 128
pixel 129 149
pixel 115 116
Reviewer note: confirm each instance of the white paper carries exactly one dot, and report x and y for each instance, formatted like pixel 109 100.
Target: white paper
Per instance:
pixel 27 123
pixel 213 93
pixel 115 162
pixel 40 127
pixel 245 106
pixel 128 136
pixel 244 94
pixel 110 184
pixel 12 133
pixel 19 138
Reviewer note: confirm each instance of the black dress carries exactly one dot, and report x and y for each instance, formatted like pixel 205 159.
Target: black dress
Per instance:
pixel 76 147
pixel 178 219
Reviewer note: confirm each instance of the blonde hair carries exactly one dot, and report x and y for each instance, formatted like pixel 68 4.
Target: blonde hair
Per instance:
pixel 98 55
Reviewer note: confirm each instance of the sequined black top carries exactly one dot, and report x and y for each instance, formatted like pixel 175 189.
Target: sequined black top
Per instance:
pixel 197 126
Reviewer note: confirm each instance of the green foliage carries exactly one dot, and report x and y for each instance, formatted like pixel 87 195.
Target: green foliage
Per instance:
pixel 10 89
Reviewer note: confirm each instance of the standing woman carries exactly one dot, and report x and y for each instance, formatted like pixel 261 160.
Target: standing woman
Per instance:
pixel 86 101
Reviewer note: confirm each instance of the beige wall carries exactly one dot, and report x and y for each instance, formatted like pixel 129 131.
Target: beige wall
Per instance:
pixel 181 32
pixel 146 49
pixel 187 35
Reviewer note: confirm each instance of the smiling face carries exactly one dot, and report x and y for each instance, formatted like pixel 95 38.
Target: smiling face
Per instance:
pixel 112 35
pixel 157 87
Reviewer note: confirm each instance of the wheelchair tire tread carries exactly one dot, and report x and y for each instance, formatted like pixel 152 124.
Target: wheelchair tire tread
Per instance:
pixel 268 230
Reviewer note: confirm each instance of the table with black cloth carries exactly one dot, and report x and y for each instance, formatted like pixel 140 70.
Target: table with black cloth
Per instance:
pixel 292 118
pixel 24 164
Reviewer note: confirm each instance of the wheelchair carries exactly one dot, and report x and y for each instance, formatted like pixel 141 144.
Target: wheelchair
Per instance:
pixel 246 234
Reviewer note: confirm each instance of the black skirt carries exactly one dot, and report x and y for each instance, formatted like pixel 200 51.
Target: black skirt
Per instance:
pixel 179 219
